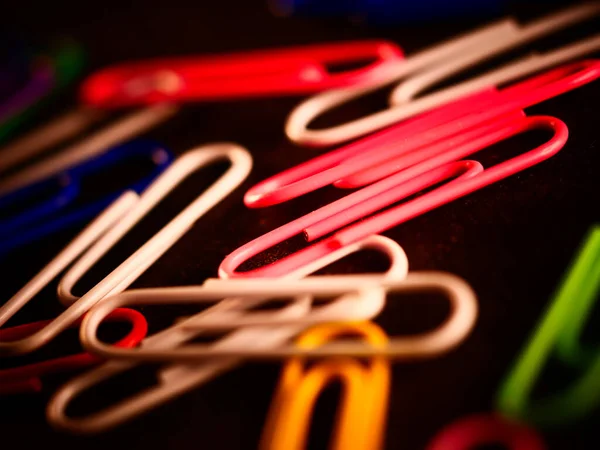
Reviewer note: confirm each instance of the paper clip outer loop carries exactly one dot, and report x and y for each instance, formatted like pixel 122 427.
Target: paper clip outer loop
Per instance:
pixel 362 415
pixel 28 378
pixel 480 429
pixel 176 379
pixel 454 330
pixel 291 71
pixel 560 330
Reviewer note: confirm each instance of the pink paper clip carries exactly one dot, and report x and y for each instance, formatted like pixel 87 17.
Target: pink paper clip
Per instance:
pixel 465 177
pixel 290 71
pixel 28 378
pixel 406 144
pixel 436 159
pixel 473 431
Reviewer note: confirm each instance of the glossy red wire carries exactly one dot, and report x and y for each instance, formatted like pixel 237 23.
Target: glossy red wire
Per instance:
pixel 290 71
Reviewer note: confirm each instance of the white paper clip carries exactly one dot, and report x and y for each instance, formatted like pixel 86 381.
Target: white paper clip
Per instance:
pixel 117 225
pixel 65 127
pixel 436 64
pixel 457 326
pixel 176 379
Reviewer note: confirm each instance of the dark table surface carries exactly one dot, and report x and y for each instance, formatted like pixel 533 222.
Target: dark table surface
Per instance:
pixel 511 241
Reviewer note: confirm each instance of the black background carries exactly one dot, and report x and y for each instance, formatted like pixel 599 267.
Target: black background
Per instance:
pixel 511 241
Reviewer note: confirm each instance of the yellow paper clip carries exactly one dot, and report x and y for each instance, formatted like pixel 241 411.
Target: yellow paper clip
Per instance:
pixel 362 415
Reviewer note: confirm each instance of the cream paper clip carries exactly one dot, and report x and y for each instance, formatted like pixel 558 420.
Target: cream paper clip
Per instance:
pixel 453 331
pixel 427 68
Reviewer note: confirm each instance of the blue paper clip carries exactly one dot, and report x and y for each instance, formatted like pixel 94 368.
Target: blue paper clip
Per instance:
pixel 58 211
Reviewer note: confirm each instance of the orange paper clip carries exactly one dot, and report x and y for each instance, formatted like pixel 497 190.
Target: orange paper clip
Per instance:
pixel 362 415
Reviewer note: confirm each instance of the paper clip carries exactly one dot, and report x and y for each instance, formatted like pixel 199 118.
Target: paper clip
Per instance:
pixel 131 210
pixel 438 134
pixel 363 406
pixel 288 71
pixel 559 332
pixel 49 74
pixel 481 429
pixel 449 335
pixel 460 178
pixel 28 378
pixel 56 213
pixel 176 379
pixel 446 61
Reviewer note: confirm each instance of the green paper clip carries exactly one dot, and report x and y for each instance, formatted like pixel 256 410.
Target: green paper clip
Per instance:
pixel 559 333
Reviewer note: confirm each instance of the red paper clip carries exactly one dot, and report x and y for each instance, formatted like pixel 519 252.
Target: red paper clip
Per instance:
pixel 473 431
pixel 290 71
pixel 28 378
pixel 405 160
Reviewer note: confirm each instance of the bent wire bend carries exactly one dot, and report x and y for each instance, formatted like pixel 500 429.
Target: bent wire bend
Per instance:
pixel 498 40
pixel 449 335
pixel 289 71
pixel 559 333
pixel 176 379
pixel 465 177
pixel 362 415
pixel 128 271
pixel 27 378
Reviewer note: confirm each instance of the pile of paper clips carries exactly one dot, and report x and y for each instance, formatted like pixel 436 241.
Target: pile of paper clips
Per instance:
pixel 422 145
